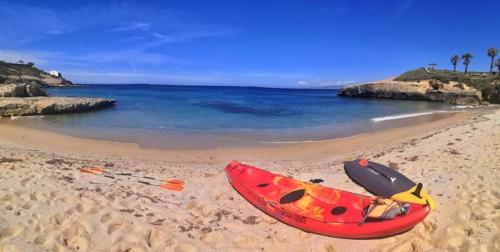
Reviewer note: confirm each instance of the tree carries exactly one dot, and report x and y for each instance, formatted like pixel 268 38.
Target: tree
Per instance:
pixel 454 61
pixel 467 57
pixel 492 53
pixel 498 66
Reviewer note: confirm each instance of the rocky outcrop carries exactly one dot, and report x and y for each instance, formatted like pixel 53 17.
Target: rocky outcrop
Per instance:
pixel 21 90
pixel 43 80
pixel 21 93
pixel 429 90
pixel 17 73
pixel 50 105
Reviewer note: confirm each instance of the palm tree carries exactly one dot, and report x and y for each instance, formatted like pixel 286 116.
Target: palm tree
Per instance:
pixel 467 57
pixel 454 61
pixel 498 66
pixel 492 53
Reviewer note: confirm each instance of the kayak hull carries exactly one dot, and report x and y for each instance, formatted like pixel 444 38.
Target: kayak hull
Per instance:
pixel 315 208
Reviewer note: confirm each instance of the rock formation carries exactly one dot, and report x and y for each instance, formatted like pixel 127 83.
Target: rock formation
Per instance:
pixel 429 90
pixel 50 105
pixel 21 90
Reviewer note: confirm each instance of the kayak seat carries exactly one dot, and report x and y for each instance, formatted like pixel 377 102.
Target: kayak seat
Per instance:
pixel 292 196
pixel 338 210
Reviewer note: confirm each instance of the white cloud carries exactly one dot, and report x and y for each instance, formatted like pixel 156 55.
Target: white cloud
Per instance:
pixel 135 56
pixel 140 26
pixel 190 34
pixel 40 23
pixel 51 59
pixel 311 83
pixel 345 82
pixel 138 77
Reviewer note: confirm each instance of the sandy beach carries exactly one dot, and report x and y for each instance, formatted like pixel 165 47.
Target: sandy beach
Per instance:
pixel 47 204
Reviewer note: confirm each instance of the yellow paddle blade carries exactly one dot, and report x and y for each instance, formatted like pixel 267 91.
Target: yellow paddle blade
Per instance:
pixel 408 196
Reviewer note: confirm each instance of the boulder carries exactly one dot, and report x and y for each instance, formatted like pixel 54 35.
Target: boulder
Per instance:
pixel 13 90
pixel 21 90
pixel 51 105
pixel 33 90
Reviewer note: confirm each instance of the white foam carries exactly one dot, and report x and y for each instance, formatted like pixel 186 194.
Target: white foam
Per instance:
pixel 401 116
pixel 26 117
pixel 465 106
pixel 310 141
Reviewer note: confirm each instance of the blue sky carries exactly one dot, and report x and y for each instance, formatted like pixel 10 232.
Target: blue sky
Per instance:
pixel 258 43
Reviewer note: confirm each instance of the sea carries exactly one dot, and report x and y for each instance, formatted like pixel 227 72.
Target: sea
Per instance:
pixel 170 116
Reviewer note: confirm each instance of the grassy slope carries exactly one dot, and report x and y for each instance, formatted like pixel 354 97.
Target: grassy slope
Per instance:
pixel 18 69
pixel 10 70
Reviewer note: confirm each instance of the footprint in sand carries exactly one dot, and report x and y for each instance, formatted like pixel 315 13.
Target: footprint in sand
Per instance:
pixel 159 240
pixel 76 238
pixel 59 218
pixel 115 225
pixel 106 217
pixel 29 205
pixel 11 231
pixel 40 240
pixel 81 208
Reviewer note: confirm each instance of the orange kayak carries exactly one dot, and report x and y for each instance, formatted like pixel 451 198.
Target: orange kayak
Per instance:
pixel 315 208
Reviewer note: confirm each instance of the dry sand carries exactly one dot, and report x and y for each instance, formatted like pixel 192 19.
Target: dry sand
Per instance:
pixel 46 204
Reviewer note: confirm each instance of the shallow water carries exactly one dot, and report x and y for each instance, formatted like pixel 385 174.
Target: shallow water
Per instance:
pixel 186 116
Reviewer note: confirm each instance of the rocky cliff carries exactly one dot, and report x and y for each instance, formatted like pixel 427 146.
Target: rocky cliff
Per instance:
pixel 429 90
pixel 22 94
pixel 13 106
pixel 15 73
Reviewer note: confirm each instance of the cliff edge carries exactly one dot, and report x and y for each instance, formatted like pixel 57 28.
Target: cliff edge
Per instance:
pixel 428 90
pixel 16 73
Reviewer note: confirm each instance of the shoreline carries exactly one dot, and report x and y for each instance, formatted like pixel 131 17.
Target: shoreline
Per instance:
pixel 62 143
pixel 219 140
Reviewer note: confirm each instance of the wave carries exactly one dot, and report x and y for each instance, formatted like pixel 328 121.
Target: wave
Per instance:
pixel 465 106
pixel 311 141
pixel 409 115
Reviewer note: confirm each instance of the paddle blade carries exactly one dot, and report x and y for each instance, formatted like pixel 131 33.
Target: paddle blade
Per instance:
pixel 92 170
pixel 174 181
pixel 173 187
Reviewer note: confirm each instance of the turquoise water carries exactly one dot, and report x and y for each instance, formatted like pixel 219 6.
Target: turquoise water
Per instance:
pixel 182 116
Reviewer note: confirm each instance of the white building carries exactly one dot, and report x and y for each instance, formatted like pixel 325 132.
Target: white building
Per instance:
pixel 55 73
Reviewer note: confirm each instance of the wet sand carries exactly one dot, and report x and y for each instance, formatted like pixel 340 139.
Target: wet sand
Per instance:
pixel 46 204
